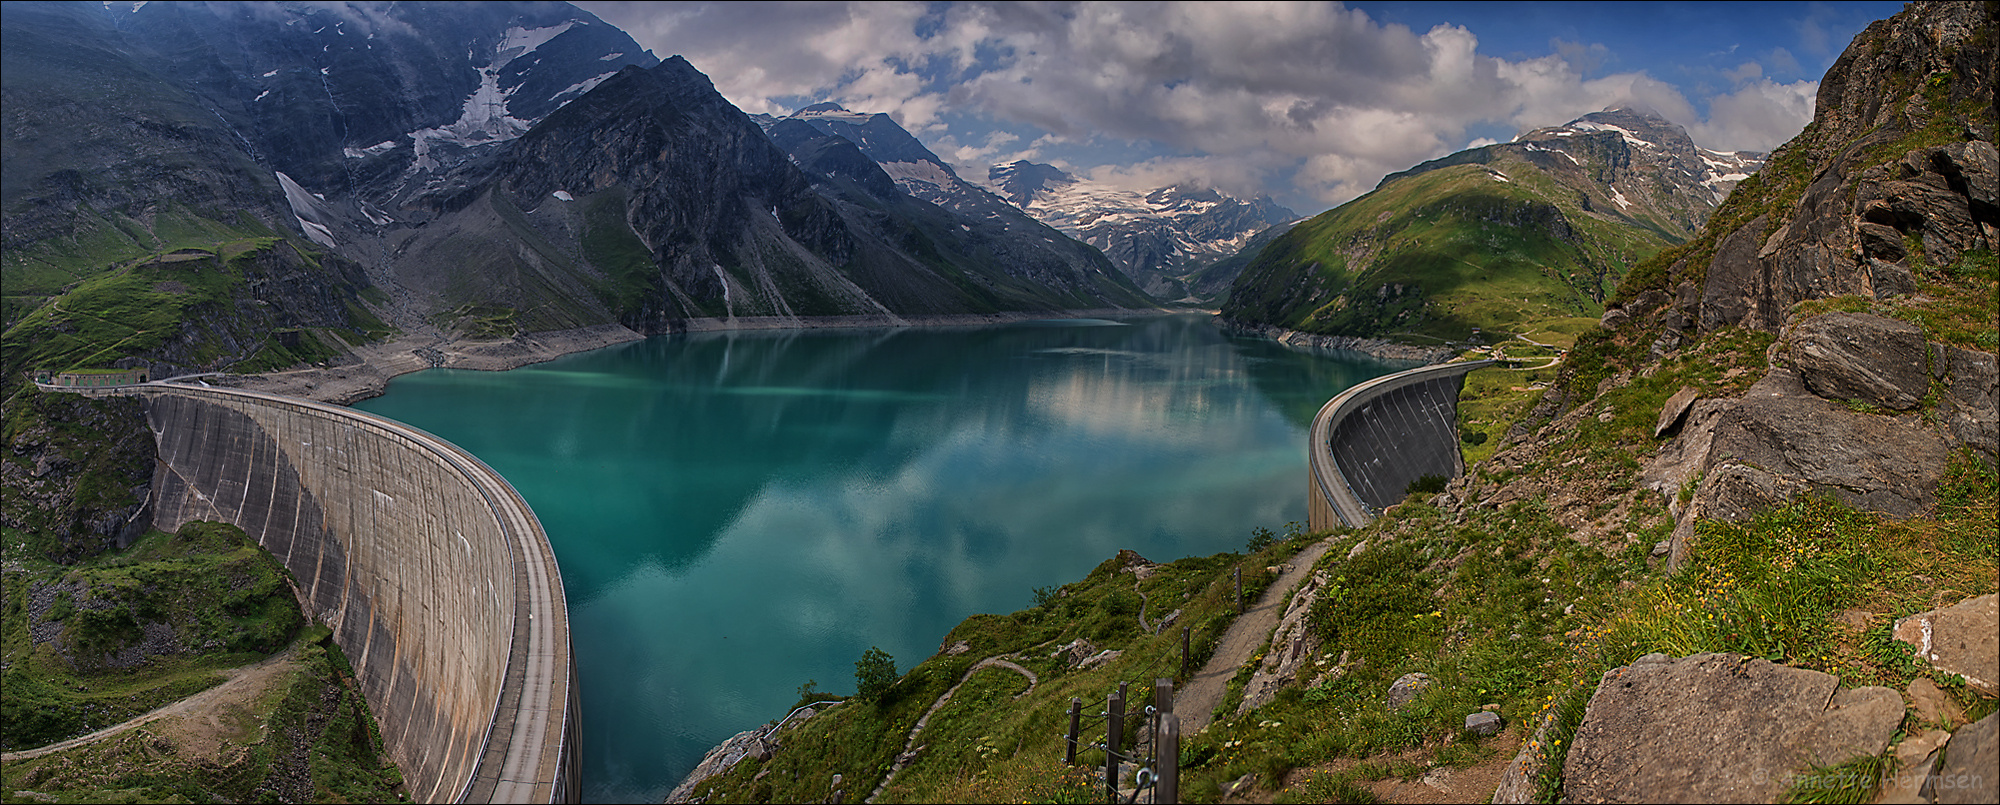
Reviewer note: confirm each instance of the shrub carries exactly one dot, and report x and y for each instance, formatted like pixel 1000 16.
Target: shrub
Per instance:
pixel 1428 485
pixel 874 673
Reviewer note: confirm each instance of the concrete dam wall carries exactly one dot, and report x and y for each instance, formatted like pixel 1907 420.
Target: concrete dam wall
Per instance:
pixel 1370 441
pixel 434 575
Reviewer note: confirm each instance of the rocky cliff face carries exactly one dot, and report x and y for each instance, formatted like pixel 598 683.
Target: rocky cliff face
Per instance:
pixel 76 474
pixel 1866 249
pixel 1896 173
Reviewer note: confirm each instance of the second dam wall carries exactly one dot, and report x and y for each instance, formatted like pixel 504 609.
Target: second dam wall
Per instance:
pixel 435 577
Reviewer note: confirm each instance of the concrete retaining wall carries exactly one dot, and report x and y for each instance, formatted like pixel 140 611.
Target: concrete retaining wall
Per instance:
pixel 1370 441
pixel 435 576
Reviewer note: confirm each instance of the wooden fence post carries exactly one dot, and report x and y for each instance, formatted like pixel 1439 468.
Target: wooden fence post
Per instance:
pixel 1114 710
pixel 1075 718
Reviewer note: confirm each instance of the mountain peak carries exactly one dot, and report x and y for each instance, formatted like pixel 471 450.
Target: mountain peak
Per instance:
pixel 1021 181
pixel 828 110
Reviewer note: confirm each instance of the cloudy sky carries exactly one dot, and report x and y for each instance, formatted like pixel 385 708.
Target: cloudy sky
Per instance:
pixel 1311 103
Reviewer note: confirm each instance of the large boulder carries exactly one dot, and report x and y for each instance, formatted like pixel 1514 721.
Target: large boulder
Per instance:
pixel 1858 356
pixel 1970 408
pixel 1719 728
pixel 1963 639
pixel 1779 441
pixel 1971 770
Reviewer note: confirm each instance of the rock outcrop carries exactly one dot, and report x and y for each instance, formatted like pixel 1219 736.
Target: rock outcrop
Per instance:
pixel 1896 173
pixel 1855 356
pixel 1961 639
pixel 76 473
pixel 1749 726
pixel 1971 770
pixel 1824 421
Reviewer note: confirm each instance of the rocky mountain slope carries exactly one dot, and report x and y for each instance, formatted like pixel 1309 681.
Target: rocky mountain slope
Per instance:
pixel 1166 239
pixel 444 150
pixel 133 128
pixel 987 223
pixel 1495 237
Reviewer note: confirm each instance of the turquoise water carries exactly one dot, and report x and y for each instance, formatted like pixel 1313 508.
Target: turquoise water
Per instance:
pixel 737 513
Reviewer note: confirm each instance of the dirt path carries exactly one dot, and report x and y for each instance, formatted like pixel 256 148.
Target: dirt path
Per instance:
pixel 910 743
pixel 244 682
pixel 1195 702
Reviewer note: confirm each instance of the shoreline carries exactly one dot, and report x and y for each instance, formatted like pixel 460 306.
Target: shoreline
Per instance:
pixel 374 365
pixel 1373 347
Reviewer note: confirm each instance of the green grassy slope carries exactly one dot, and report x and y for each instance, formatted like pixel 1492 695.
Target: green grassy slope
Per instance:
pixel 242 304
pixel 1442 252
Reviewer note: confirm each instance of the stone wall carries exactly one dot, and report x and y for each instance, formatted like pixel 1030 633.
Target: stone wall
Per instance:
pixel 434 575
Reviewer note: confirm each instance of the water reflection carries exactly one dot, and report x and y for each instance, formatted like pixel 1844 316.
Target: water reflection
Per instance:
pixel 736 513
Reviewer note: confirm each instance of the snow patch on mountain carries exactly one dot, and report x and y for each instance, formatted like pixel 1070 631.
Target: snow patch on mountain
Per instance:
pixel 586 85
pixel 520 41
pixel 922 170
pixel 1630 136
pixel 1565 154
pixel 482 119
pixel 832 111
pixel 361 153
pixel 309 209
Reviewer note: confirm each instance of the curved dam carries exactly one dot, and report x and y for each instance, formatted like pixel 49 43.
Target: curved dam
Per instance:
pixel 1370 441
pixel 435 576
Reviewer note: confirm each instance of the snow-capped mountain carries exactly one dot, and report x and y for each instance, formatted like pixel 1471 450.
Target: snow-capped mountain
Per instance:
pixel 916 170
pixel 1160 238
pixel 1628 164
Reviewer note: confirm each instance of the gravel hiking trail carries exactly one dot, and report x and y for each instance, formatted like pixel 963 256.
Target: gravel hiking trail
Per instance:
pixel 242 685
pixel 1195 702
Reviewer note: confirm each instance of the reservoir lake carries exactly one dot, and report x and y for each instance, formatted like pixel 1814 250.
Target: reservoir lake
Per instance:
pixel 736 513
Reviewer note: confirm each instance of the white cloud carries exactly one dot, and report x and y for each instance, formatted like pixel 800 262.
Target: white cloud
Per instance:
pixel 1758 117
pixel 1315 95
pixel 1236 176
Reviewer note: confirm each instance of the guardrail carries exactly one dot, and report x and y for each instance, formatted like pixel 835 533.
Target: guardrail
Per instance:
pixel 1370 441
